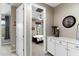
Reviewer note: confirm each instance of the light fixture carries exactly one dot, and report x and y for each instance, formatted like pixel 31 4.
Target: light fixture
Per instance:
pixel 57 28
pixel 40 19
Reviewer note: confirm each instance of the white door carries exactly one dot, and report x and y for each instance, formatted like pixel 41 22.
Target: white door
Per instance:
pixel 19 30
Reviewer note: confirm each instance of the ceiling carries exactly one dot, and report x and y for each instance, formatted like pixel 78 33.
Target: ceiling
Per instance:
pixel 36 14
pixel 5 8
pixel 53 4
pixel 14 4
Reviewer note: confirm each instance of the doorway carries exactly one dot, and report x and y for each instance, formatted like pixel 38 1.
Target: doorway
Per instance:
pixel 5 46
pixel 5 31
pixel 8 29
pixel 38 30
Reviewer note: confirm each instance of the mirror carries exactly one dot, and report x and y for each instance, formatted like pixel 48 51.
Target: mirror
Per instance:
pixel 38 30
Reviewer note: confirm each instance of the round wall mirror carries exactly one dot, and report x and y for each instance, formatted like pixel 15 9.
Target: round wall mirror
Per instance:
pixel 69 21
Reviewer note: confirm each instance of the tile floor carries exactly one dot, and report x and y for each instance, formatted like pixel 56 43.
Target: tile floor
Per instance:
pixel 5 50
pixel 38 50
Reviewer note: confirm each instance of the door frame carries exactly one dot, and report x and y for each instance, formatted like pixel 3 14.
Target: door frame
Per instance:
pixel 0 29
pixel 44 30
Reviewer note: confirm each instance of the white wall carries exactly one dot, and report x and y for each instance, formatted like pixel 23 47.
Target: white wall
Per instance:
pixel 63 10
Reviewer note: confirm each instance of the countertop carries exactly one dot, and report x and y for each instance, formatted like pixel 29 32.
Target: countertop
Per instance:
pixel 69 40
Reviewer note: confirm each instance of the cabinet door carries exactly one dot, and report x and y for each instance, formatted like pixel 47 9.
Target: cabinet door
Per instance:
pixel 61 50
pixel 51 46
pixel 73 49
pixel 73 52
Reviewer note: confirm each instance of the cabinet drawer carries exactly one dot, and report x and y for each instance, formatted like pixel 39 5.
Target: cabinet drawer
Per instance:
pixel 51 45
pixel 73 45
pixel 61 42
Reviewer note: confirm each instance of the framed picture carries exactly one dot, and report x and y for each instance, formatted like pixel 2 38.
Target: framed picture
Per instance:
pixel 69 21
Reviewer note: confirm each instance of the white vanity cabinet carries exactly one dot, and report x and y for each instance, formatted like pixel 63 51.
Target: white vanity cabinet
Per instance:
pixel 51 45
pixel 61 48
pixel 73 49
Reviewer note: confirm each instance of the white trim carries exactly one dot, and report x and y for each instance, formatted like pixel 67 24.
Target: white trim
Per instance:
pixel 30 29
pixel 43 30
pixel 0 29
pixel 45 40
pixel 36 5
pixel 25 50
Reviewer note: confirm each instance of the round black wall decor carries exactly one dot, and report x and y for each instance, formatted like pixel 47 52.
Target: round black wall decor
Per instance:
pixel 69 21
